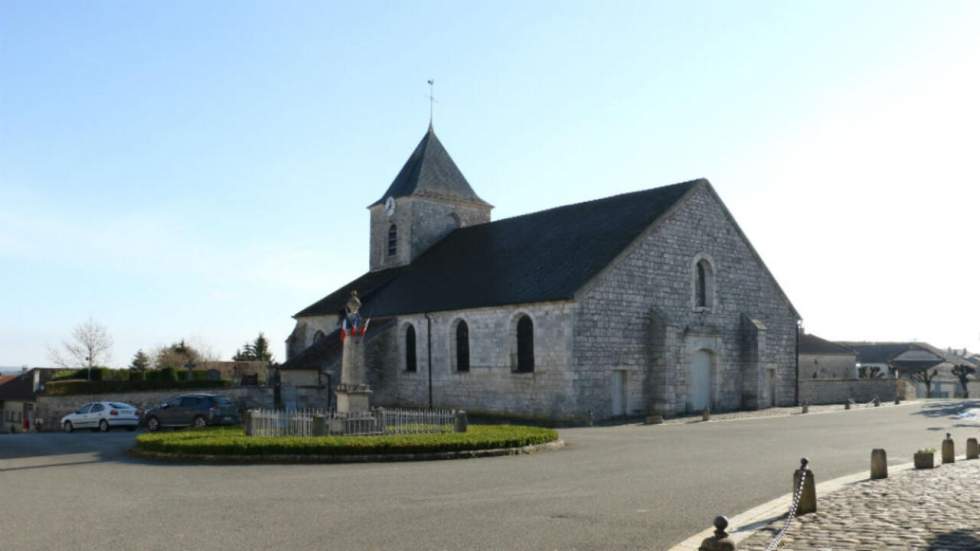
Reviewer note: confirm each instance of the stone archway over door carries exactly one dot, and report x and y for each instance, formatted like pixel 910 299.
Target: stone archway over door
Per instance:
pixel 699 381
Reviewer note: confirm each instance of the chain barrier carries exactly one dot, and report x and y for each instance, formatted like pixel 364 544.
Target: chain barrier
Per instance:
pixel 792 512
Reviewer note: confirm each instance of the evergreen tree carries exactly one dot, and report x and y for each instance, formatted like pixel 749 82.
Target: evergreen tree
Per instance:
pixel 257 350
pixel 141 362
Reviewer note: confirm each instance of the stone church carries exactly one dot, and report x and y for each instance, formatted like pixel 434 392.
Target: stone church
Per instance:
pixel 646 302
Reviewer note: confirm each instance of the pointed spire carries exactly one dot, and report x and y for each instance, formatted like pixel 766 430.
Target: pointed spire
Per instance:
pixel 431 172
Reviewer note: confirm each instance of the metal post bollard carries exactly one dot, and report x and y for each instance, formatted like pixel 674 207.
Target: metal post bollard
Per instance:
pixel 808 491
pixel 972 449
pixel 949 450
pixel 461 422
pixel 719 541
pixel 879 464
pixel 847 405
pixel 706 414
pixel 877 401
pixel 805 408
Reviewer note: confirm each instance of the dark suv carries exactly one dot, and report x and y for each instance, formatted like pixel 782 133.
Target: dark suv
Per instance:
pixel 192 410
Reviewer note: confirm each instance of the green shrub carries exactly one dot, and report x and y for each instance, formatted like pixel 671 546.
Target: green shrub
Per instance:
pixel 183 375
pixel 137 376
pixel 68 388
pixel 199 375
pixel 168 374
pixel 232 441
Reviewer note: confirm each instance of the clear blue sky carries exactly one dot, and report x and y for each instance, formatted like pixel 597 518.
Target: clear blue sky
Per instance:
pixel 200 169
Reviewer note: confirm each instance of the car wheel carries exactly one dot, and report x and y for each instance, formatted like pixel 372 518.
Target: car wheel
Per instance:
pixel 104 426
pixel 200 422
pixel 68 426
pixel 153 424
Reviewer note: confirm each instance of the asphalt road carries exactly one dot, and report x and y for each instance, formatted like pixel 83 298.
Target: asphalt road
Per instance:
pixel 622 487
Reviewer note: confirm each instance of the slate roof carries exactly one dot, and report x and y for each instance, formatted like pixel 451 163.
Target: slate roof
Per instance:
pixel 887 352
pixel 543 256
pixel 431 172
pixel 19 389
pixel 812 344
pixel 329 347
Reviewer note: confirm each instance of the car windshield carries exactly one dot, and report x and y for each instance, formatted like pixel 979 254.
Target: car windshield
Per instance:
pixel 222 401
pixel 121 406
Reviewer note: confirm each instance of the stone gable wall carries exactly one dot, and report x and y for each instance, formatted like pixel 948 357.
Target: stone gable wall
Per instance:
pixel 639 316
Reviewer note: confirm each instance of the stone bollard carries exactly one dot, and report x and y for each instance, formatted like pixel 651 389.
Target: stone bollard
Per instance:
pixel 808 496
pixel 972 449
pixel 877 401
pixel 706 414
pixel 847 405
pixel 879 464
pixel 719 541
pixel 898 400
pixel 949 450
pixel 655 419
pixel 805 408
pixel 461 422
pixel 248 423
pixel 320 425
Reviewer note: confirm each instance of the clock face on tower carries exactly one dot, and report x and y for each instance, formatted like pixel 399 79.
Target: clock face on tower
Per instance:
pixel 390 207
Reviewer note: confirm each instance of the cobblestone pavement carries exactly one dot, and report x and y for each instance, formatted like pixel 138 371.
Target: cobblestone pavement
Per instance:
pixel 934 509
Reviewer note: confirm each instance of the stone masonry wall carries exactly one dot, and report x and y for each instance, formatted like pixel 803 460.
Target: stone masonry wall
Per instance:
pixel 828 366
pixel 818 391
pixel 639 316
pixel 53 408
pixel 491 385
pixel 421 223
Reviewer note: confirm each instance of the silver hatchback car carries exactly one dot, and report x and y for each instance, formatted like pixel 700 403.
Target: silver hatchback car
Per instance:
pixel 102 416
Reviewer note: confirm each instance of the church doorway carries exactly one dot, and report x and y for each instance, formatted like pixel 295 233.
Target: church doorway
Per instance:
pixel 699 381
pixel 618 393
pixel 771 376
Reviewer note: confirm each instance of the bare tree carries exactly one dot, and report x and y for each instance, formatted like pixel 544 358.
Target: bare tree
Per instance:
pixel 90 346
pixel 963 372
pixel 925 378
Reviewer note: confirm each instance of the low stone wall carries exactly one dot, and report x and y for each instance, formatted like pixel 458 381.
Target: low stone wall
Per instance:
pixel 52 408
pixel 838 391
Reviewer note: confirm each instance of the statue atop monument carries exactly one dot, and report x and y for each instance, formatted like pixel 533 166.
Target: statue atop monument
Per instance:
pixel 353 324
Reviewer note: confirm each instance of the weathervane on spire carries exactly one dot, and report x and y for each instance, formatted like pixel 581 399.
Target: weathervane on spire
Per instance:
pixel 432 99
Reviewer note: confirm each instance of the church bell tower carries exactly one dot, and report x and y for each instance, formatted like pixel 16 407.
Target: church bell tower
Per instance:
pixel 428 199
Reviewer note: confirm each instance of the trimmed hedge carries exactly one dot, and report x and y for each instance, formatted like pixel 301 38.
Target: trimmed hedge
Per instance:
pixel 232 441
pixel 69 388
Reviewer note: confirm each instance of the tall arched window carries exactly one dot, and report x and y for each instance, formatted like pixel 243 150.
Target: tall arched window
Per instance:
pixel 703 284
pixel 318 336
pixel 525 345
pixel 411 363
pixel 462 346
pixel 392 240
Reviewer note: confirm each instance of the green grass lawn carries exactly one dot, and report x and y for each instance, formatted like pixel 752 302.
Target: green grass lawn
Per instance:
pixel 232 441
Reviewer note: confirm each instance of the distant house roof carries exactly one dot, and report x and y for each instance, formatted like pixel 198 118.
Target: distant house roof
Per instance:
pixel 812 344
pixel 329 348
pixel 20 388
pixel 431 172
pixel 538 257
pixel 908 355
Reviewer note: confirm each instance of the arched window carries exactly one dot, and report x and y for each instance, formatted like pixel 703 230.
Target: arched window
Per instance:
pixel 525 345
pixel 410 359
pixel 318 336
pixel 703 284
pixel 392 240
pixel 462 346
